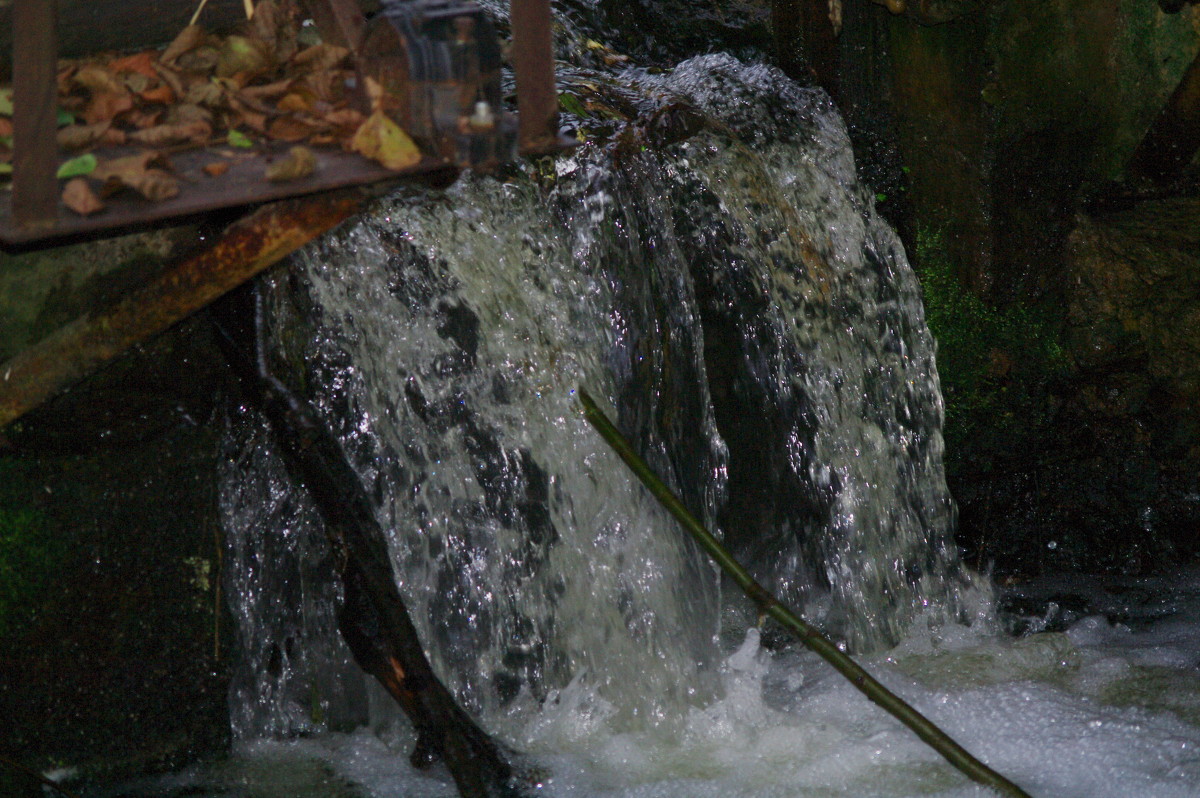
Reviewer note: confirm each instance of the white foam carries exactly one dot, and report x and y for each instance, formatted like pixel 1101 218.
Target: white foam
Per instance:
pixel 1101 711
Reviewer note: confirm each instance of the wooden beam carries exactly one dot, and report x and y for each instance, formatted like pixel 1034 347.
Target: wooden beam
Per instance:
pixel 248 246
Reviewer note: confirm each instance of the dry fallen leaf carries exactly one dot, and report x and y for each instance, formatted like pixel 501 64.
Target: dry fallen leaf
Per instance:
pixel 139 162
pixel 141 63
pixel 159 94
pixel 106 105
pixel 171 78
pixel 80 137
pixel 289 128
pixel 297 101
pixel 216 168
pixel 299 162
pixel 381 139
pixel 98 80
pixel 196 132
pixel 154 184
pixel 78 196
pixel 183 113
pixel 142 172
pixel 242 55
pixel 188 39
pixel 320 57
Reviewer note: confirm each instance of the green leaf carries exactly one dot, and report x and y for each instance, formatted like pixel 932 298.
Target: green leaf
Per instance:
pixel 881 197
pixel 65 118
pixel 5 169
pixel 239 139
pixel 78 167
pixel 572 104
pixel 6 107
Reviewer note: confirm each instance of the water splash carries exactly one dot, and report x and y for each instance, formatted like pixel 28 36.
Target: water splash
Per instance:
pixel 756 327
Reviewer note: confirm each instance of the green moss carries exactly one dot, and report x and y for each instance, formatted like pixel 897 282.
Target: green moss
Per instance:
pixel 997 365
pixel 29 556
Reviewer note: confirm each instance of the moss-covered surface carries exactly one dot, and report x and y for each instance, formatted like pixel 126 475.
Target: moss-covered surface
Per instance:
pixel 42 290
pixel 1065 449
pixel 1101 69
pixel 997 366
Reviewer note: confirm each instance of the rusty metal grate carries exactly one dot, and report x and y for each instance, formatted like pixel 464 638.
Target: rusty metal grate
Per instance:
pixel 32 215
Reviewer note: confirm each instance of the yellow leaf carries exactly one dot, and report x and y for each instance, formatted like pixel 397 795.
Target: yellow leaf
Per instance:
pixel 381 139
pixel 299 162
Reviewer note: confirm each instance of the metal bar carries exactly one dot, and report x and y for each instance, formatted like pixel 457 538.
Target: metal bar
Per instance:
pixel 533 64
pixel 35 102
pixel 249 246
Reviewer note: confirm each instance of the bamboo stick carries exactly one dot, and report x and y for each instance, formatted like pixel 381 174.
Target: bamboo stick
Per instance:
pixel 767 604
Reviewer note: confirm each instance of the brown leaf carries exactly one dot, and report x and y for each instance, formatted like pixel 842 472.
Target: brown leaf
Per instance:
pixel 297 101
pixel 153 184
pixel 289 128
pixel 268 91
pixel 183 113
pixel 299 162
pixel 80 137
pixel 6 128
pixel 129 166
pixel 159 94
pixel 381 139
pixel 205 93
pixel 242 55
pixel 78 196
pixel 346 120
pixel 107 105
pixel 320 57
pixel 98 80
pixel 142 119
pixel 137 83
pixel 216 168
pixel 202 61
pixel 140 63
pixel 171 78
pixel 196 132
pixel 188 39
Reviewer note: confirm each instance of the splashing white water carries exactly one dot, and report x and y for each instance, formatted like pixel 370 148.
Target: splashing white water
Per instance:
pixel 1103 710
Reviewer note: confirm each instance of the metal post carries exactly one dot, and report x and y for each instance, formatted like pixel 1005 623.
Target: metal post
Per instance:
pixel 35 113
pixel 533 63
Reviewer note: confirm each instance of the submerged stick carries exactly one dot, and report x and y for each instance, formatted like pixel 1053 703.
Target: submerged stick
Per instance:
pixel 767 604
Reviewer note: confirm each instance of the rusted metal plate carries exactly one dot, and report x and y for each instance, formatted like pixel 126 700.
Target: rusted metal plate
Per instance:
pixel 244 184
pixel 35 102
pixel 246 248
pixel 533 68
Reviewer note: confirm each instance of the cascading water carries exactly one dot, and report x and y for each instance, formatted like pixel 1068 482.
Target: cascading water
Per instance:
pixel 443 339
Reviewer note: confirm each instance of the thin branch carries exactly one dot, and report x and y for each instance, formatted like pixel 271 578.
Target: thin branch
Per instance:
pixel 767 604
pixel 33 774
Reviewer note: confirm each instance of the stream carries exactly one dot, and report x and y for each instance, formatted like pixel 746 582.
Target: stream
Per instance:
pixel 715 275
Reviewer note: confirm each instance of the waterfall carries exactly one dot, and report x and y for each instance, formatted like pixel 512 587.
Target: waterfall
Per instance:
pixel 736 300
